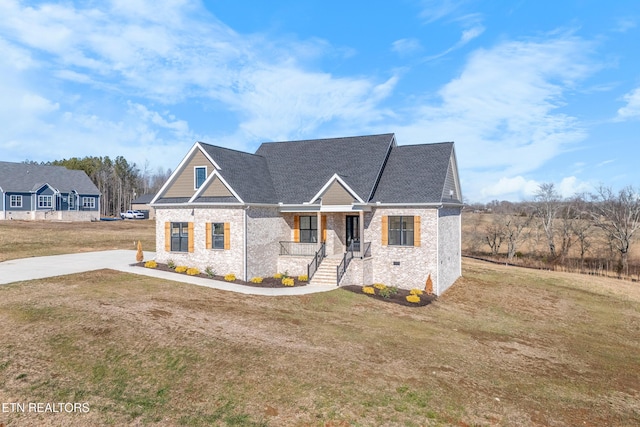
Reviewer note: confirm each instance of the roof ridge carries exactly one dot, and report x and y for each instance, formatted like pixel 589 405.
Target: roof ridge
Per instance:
pixel 328 138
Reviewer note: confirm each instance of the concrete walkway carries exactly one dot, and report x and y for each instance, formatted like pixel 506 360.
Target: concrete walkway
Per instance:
pixel 17 270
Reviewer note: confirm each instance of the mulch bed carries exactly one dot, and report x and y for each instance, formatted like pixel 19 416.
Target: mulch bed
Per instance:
pixel 267 282
pixel 399 298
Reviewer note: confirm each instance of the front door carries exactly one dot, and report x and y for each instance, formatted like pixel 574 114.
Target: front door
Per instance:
pixel 353 232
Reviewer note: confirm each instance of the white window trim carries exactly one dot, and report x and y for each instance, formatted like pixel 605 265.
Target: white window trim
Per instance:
pixel 91 204
pixel 195 176
pixel 45 201
pixel 18 201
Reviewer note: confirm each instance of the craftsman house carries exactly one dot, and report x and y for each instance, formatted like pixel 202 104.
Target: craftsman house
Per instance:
pixel 355 210
pixel 39 192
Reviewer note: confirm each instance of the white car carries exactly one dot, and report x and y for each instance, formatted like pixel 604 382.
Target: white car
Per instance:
pixel 132 215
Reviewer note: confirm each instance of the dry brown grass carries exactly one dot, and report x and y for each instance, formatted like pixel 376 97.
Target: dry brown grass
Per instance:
pixel 504 346
pixel 23 239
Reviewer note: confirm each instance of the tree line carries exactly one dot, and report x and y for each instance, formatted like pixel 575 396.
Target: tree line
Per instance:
pixel 592 231
pixel 118 180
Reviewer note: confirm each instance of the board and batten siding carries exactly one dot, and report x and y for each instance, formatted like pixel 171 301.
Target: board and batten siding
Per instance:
pixel 183 185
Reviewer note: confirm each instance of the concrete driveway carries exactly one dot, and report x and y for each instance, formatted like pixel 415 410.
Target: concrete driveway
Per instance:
pixel 17 270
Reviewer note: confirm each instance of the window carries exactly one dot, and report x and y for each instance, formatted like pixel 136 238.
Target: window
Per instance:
pixel 308 229
pixel 217 235
pixel 180 237
pixel 89 202
pixel 200 175
pixel 401 230
pixel 45 202
pixel 16 201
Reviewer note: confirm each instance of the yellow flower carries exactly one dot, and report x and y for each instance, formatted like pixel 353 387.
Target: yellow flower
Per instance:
pixel 413 298
pixel 379 286
pixel 278 276
pixel 415 291
pixel 151 264
pixel 303 278
pixel 193 271
pixel 256 280
pixel 181 269
pixel 230 277
pixel 368 290
pixel 288 281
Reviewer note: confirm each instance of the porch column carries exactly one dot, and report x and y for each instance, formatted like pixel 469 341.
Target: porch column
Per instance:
pixel 361 231
pixel 319 223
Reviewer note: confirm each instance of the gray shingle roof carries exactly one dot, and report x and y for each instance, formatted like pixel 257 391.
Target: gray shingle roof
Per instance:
pixel 299 169
pixel 143 199
pixel 246 173
pixel 415 174
pixel 373 166
pixel 23 177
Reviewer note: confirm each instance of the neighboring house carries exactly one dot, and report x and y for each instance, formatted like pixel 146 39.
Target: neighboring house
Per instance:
pixel 38 192
pixel 142 204
pixel 392 211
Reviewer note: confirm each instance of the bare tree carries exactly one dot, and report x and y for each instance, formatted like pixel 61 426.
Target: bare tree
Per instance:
pixel 547 205
pixel 494 235
pixel 618 215
pixel 582 225
pixel 512 226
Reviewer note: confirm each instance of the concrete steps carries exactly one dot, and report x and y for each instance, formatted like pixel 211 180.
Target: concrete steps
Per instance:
pixel 326 273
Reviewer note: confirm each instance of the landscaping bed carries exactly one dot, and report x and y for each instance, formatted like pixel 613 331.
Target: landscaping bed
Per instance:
pixel 397 296
pixel 267 282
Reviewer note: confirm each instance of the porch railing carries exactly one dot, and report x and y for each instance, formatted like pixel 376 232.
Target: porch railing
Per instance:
pixel 317 259
pixel 298 249
pixel 364 252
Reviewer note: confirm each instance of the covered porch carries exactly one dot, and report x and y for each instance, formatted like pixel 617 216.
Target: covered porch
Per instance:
pixel 315 235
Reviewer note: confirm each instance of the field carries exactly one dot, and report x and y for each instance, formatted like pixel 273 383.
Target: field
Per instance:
pixel 504 347
pixel 23 239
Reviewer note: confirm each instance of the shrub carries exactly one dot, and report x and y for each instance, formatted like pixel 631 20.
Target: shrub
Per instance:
pixel 368 290
pixel 278 276
pixel 256 280
pixel 415 291
pixel 303 278
pixel 209 271
pixel 230 277
pixel 181 268
pixel 288 281
pixel 193 271
pixel 171 264
pixel 379 286
pixel 139 254
pixel 413 298
pixel 388 291
pixel 151 264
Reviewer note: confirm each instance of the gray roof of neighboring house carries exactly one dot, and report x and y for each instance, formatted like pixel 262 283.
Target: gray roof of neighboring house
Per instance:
pixel 25 177
pixel 299 169
pixel 143 200
pixel 415 174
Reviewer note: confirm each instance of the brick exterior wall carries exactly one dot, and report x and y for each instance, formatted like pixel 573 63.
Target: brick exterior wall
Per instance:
pixel 221 261
pixel 449 260
pixel 416 263
pixel 265 229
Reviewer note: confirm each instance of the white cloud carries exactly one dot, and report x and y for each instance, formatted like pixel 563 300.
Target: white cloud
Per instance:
pixel 505 188
pixel 121 58
pixel 406 46
pixel 632 109
pixel 570 186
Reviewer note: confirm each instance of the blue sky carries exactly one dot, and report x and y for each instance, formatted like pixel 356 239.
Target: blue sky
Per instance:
pixel 530 91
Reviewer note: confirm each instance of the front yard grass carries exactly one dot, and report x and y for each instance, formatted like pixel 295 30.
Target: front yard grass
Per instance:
pixel 504 346
pixel 23 239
